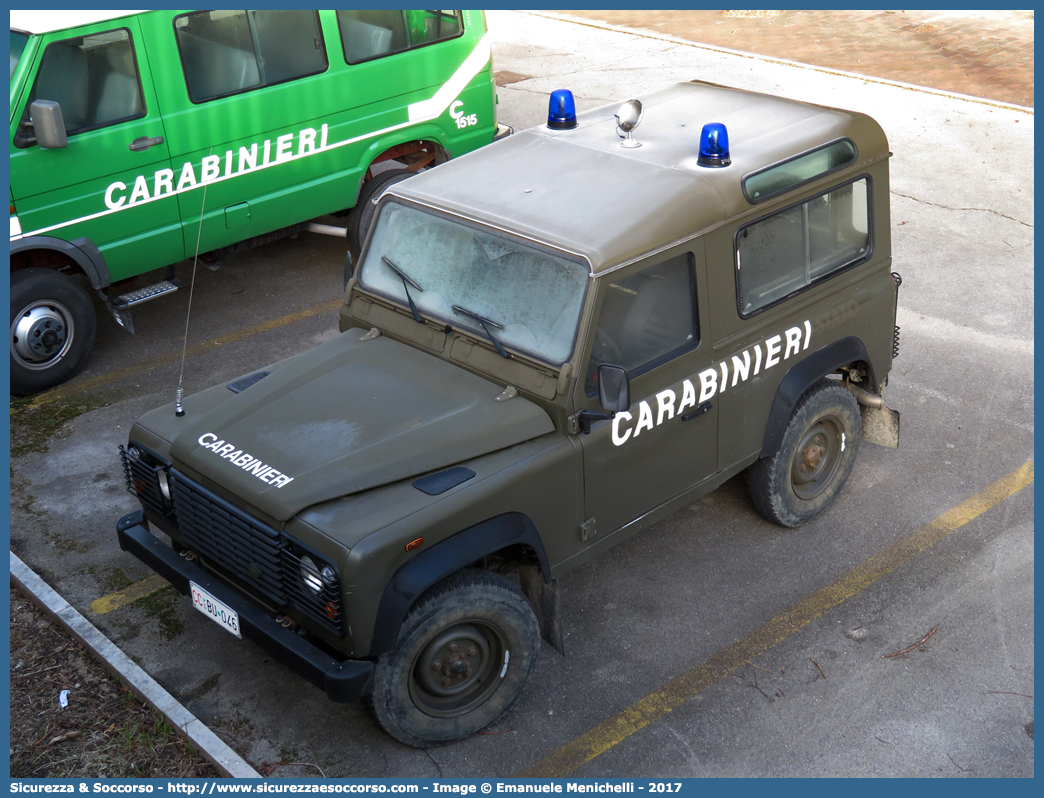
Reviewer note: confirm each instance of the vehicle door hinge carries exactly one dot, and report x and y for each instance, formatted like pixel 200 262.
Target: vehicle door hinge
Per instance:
pixel 588 530
pixel 573 425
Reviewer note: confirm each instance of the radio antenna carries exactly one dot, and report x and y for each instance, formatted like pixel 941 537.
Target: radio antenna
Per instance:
pixel 179 411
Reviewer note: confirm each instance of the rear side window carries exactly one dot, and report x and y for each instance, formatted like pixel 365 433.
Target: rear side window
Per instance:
pixel 646 319
pixel 790 250
pixel 372 34
pixel 93 78
pixel 797 171
pixel 228 52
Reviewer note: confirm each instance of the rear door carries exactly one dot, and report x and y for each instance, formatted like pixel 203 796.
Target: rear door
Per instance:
pixel 113 182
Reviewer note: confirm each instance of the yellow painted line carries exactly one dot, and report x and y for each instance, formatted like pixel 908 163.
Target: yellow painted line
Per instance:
pixel 113 376
pixel 121 598
pixel 680 689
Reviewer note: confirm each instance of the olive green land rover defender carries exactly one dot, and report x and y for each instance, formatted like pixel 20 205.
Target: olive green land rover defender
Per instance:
pixel 548 345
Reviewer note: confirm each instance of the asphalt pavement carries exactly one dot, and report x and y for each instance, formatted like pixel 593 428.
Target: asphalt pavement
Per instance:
pixel 813 694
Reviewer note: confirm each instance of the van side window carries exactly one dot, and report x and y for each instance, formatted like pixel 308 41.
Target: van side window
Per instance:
pixel 372 34
pixel 646 319
pixel 93 78
pixel 227 52
pixel 794 248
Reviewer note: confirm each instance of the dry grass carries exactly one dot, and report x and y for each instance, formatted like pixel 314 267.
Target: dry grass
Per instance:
pixel 104 732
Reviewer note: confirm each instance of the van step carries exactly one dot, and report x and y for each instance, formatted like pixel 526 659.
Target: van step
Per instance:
pixel 146 294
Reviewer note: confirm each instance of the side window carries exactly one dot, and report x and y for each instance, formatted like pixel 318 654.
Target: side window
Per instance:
pixel 794 248
pixel 227 52
pixel 646 319
pixel 426 27
pixel 372 34
pixel 93 78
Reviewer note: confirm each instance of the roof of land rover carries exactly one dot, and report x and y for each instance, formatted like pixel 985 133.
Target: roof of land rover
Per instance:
pixel 580 191
pixel 48 21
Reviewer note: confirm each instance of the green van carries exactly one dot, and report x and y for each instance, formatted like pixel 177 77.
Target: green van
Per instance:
pixel 142 139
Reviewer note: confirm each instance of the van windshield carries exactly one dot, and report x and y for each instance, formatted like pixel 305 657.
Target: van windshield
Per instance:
pixel 18 42
pixel 516 294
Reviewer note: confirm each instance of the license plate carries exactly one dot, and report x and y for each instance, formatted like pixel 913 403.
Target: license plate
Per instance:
pixel 224 617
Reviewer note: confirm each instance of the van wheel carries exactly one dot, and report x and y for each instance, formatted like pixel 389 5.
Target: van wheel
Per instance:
pixel 361 216
pixel 816 456
pixel 52 329
pixel 464 654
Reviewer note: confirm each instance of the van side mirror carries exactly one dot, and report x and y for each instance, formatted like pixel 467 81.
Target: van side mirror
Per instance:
pixel 614 388
pixel 48 124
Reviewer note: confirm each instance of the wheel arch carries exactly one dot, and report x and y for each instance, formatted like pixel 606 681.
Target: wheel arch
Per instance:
pixel 82 254
pixel 382 149
pixel 511 535
pixel 833 356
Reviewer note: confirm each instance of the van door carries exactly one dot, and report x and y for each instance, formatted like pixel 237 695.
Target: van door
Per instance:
pixel 112 183
pixel 648 322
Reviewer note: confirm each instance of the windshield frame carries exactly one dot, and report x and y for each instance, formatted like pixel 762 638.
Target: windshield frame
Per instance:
pixel 461 323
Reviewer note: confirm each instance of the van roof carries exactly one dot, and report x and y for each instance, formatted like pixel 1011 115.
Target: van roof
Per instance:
pixel 49 21
pixel 580 191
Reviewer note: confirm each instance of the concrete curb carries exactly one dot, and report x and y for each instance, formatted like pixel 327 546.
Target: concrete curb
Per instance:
pixel 224 758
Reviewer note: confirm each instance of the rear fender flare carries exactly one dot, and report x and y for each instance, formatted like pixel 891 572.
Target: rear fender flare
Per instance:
pixel 446 558
pixel 800 378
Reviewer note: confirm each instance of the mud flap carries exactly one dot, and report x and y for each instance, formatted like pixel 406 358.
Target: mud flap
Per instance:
pixel 880 425
pixel 121 316
pixel 546 600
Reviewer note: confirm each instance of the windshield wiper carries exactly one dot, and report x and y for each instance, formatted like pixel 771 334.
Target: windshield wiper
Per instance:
pixel 484 321
pixel 407 281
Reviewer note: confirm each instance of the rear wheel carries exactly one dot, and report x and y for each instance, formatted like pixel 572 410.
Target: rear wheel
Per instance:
pixel 819 447
pixel 52 329
pixel 361 216
pixel 465 652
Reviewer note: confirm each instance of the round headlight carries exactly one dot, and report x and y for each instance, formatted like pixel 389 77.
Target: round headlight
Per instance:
pixel 310 574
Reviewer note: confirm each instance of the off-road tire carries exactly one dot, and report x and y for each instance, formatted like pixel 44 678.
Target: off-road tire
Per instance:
pixel 52 329
pixel 471 611
pixel 361 216
pixel 819 448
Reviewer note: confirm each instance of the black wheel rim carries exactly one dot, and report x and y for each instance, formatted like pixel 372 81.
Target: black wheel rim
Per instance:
pixel 458 669
pixel 817 458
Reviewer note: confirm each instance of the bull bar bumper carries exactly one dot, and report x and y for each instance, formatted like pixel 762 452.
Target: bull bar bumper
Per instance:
pixel 342 681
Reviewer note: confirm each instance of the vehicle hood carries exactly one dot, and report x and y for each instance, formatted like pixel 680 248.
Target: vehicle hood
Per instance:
pixel 345 417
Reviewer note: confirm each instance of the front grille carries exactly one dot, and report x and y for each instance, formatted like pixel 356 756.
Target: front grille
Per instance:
pixel 240 544
pixel 264 559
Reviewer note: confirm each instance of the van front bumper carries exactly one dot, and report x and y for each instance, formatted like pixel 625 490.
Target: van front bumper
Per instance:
pixel 342 681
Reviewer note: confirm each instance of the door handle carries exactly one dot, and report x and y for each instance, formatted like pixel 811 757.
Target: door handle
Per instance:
pixel 142 144
pixel 699 411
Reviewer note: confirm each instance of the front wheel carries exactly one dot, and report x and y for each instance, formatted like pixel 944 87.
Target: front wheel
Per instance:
pixel 464 654
pixel 819 447
pixel 361 216
pixel 52 329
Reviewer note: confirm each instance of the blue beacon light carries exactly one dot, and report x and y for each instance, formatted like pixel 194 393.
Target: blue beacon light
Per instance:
pixel 561 111
pixel 714 145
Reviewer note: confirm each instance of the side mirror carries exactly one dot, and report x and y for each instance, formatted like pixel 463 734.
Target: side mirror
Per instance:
pixel 349 269
pixel 614 388
pixel 48 124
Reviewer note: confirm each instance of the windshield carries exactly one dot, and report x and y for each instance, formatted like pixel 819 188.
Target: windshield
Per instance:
pixel 18 42
pixel 516 294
